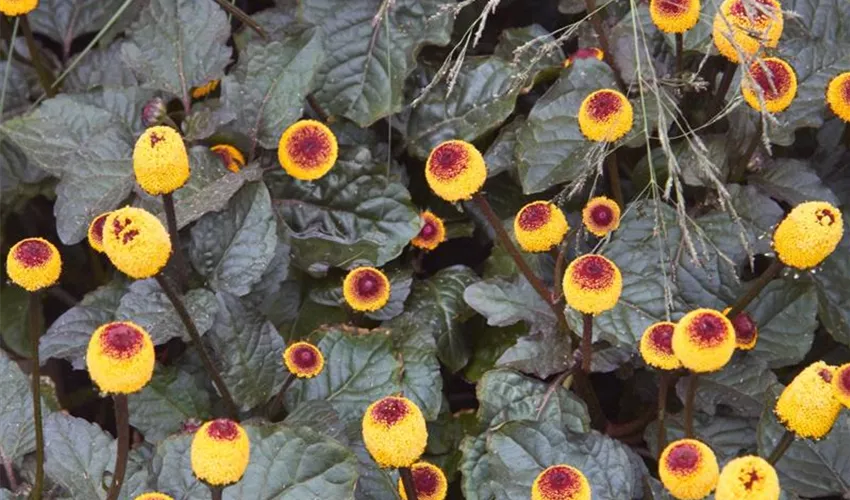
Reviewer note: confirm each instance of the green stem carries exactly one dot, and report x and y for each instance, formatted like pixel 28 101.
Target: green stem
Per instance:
pixel 744 300
pixel 173 231
pixel 277 404
pixel 614 178
pixel 663 389
pixel 242 16
pixel 586 342
pixel 725 83
pixel 693 382
pixel 34 321
pixel 781 447
pixel 8 68
pixel 409 484
pixel 122 424
pixel 44 76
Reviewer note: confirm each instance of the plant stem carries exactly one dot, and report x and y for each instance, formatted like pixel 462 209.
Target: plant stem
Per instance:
pixel 34 320
pixel 740 168
pixel 216 492
pixel 560 264
pixel 845 137
pixel 232 410
pixel 44 76
pixel 584 388
pixel 693 381
pixel 663 389
pixel 781 447
pixel 122 424
pixel 586 342
pixel 277 404
pixel 173 231
pixel 680 48
pixel 725 83
pixel 242 16
pixel 407 481
pixel 751 293
pixel 614 178
pixel 9 467
pixel 596 22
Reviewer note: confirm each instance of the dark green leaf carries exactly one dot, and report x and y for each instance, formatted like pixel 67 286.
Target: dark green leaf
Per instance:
pixel 833 302
pixel 100 68
pixel 329 293
pixel 542 353
pixel 488 344
pixel 205 120
pixel 417 350
pixel 78 455
pixel 739 387
pixel 14 302
pixel 531 50
pixel 320 416
pixel 64 20
pixel 504 303
pixel 17 432
pixel 173 469
pixel 147 305
pixel 793 181
pixel 728 437
pixel 18 84
pixel 373 482
pixel 786 314
pixel 500 155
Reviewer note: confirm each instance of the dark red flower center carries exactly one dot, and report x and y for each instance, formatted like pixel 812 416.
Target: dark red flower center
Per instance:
pixel 757 13
pixel 844 380
pixel 602 215
pixel 535 216
pixel 225 155
pixel 121 340
pixel 593 272
pixel 684 458
pixel 390 411
pixel 156 139
pixel 223 429
pixel 825 217
pixel 707 329
pixel 309 146
pixel 745 328
pixel 661 337
pixel 368 284
pixel 826 375
pixel 118 226
pixel 448 160
pixel 586 53
pixel 559 481
pixel 97 228
pixel 845 91
pixel 426 480
pixel 673 7
pixel 428 231
pixel 304 357
pixel 752 478
pixel 772 77
pixel 603 105
pixel 33 253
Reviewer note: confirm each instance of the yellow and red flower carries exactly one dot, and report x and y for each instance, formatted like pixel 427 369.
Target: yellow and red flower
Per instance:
pixel 205 89
pixel 605 116
pixel 428 480
pixel 601 215
pixel 838 96
pixel 808 234
pixel 160 161
pixel 455 170
pixel 120 357
pixel 560 482
pixel 303 359
pixel 220 452
pixel 841 384
pixel 136 242
pixel 746 330
pixel 33 264
pixel 592 284
pixel 656 346
pixel 704 340
pixel 232 157
pixel 17 7
pixel 688 469
pixel 808 406
pixel 585 53
pixel 153 496
pixel 394 432
pixel 366 289
pixel 674 16
pixel 307 150
pixel 773 79
pixel 433 232
pixel 539 226
pixel 745 26
pixel 748 478
pixel 95 233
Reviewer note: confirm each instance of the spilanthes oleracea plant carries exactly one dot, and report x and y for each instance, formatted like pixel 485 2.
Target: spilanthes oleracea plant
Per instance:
pixel 592 284
pixel 841 384
pixel 394 432
pixel 539 226
pixel 307 150
pixel 120 357
pixel 674 16
pixel 34 264
pixel 688 469
pixel 17 7
pixel 601 215
pixel 160 161
pixel 605 116
pixel 95 232
pixel 303 359
pixel 366 289
pixel 232 157
pixel 560 482
pixel 746 26
pixel 455 170
pixel 136 242
pixel 746 330
pixel 656 346
pixel 429 481
pixel 772 81
pixel 838 96
pixel 433 232
pixel 748 478
pixel 808 234
pixel 808 406
pixel 220 452
pixel 584 53
pixel 704 340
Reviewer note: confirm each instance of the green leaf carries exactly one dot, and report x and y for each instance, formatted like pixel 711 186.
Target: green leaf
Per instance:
pixel 792 181
pixel 64 20
pixel 14 304
pixel 233 248
pixel 728 437
pixel 173 469
pixel 833 303
pixel 147 305
pixel 371 49
pixel 77 456
pixel 416 346
pixel 18 84
pixel 542 353
pixel 504 302
pixel 739 388
pixel 100 68
pixel 373 482
pixel 488 344
pixel 17 432
pixel 267 87
pixel 205 120
pixel 500 155
pixel 320 416
pixel 175 45
pixel 786 314
pixel 531 50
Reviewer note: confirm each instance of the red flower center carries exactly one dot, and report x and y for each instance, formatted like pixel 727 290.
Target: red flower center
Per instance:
pixel 33 253
pixel 97 228
pixel 559 481
pixel 825 217
pixel 117 227
pixel 752 478
pixel 390 411
pixel 309 147
pixel 845 91
pixel 745 328
pixel 305 357
pixel 156 138
pixel 826 375
pixel 603 105
pixel 426 480
pixel 673 7
pixel 225 155
pixel 772 77
pixel 593 272
pixel 661 337
pixel 428 231
pixel 535 216
pixel 758 13
pixel 586 53
pixel 121 341
pixel 707 329
pixel 683 458
pixel 448 160
pixel 602 215
pixel 844 380
pixel 223 429
pixel 368 284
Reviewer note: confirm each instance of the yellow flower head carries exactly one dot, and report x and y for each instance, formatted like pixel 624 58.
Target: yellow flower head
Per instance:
pixel 688 469
pixel 220 452
pixel 748 478
pixel 232 157
pixel 366 289
pixel 33 264
pixel 838 96
pixel 592 284
pixel 205 89
pixel 585 53
pixel 95 234
pixel 136 242
pixel 841 384
pixel 433 232
pixel 808 406
pixel 307 150
pixel 539 226
pixel 560 482
pixel 160 160
pixel 428 480
pixel 747 25
pixel 303 359
pixel 17 7
pixel 605 116
pixel 394 432
pixel 674 16
pixel 746 330
pixel 656 346
pixel 120 357
pixel 808 234
pixel 775 80
pixel 153 496
pixel 704 340
pixel 601 215
pixel 455 170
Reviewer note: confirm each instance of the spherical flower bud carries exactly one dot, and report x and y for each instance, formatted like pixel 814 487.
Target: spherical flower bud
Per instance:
pixel 773 79
pixel 17 7
pixel 455 170
pixel 307 150
pixel 539 226
pixel 232 157
pixel 688 469
pixel 704 340
pixel 95 233
pixel 303 359
pixel 605 116
pixel 592 284
pixel 153 112
pixel 33 264
pixel 220 452
pixel 394 432
pixel 153 496
pixel 838 96
pixel 808 406
pixel 205 89
pixel 560 482
pixel 120 357
pixel 841 384
pixel 366 289
pixel 160 160
pixel 136 242
pixel 428 480
pixel 585 53
pixel 656 346
pixel 746 26
pixel 747 478
pixel 674 16
pixel 433 232
pixel 746 330
pixel 808 234
pixel 601 215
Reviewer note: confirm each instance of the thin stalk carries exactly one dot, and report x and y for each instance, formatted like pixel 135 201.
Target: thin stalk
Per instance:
pixel 663 389
pixel 614 178
pixel 242 16
pixel 586 342
pixel 725 83
pixel 8 68
pixel 680 48
pixel 44 76
pixel 407 481
pixel 781 447
pixel 596 22
pixel 34 320
pixel 277 404
pixel 173 231
pixel 740 168
pixel 216 492
pixel 232 410
pixel 9 467
pixel 122 424
pixel 757 286
pixel 560 264
pixel 693 382
pixel 845 137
